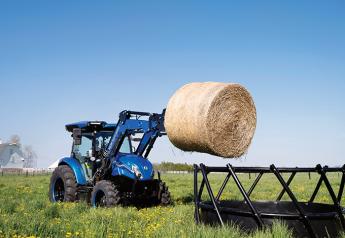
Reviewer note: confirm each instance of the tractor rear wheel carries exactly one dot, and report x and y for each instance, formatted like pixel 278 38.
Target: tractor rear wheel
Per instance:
pixel 63 185
pixel 164 195
pixel 105 194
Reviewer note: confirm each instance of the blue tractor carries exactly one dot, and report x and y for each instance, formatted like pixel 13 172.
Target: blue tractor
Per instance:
pixel 108 164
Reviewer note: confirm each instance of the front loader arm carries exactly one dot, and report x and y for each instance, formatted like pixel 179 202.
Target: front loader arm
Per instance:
pixel 129 124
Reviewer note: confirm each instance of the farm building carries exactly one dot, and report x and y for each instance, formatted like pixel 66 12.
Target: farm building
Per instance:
pixel 11 156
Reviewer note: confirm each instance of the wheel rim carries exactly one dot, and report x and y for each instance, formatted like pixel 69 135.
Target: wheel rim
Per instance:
pixel 59 190
pixel 100 199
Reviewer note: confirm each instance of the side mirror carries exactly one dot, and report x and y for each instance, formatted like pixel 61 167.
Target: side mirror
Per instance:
pixel 77 136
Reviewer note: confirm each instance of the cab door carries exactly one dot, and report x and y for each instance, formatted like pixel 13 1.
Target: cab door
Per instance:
pixel 82 153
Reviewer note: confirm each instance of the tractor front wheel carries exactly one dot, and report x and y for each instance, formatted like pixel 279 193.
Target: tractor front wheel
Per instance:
pixel 63 185
pixel 105 194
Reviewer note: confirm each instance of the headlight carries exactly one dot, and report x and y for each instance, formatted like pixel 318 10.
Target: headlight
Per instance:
pixel 136 171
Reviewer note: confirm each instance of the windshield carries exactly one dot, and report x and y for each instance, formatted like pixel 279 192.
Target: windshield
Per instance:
pixel 103 139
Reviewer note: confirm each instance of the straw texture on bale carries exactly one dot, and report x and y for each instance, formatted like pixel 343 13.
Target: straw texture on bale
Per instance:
pixel 211 117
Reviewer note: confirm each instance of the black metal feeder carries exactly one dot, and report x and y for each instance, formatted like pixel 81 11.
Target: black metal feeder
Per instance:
pixel 306 219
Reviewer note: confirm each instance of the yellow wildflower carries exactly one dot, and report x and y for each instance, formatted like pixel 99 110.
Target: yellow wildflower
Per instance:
pixel 68 234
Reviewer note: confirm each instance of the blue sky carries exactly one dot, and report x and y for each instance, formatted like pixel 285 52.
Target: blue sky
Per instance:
pixel 68 61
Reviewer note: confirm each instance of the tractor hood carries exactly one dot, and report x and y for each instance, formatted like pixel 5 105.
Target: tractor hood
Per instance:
pixel 132 166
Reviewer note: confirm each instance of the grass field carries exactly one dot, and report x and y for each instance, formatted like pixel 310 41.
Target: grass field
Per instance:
pixel 26 212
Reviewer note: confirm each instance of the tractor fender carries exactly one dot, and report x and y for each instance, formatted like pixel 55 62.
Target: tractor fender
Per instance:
pixel 76 167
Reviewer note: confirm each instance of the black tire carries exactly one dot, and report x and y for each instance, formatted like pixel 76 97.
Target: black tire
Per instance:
pixel 105 194
pixel 63 185
pixel 164 195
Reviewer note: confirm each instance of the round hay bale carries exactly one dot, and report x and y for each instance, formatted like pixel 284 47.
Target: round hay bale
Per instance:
pixel 211 117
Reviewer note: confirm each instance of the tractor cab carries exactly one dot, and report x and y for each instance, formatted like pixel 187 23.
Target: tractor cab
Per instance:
pixel 90 139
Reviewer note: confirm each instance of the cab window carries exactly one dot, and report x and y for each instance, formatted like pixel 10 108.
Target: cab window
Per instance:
pixel 102 141
pixel 82 151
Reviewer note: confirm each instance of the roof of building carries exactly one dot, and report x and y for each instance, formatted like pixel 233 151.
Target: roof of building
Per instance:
pixel 3 146
pixel 54 165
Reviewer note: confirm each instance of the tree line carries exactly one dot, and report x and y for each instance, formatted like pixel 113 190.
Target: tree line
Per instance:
pixel 169 166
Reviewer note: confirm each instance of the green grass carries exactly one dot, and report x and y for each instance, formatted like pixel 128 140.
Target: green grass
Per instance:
pixel 26 211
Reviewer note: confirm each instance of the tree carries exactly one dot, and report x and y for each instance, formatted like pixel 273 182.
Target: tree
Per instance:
pixel 30 157
pixel 15 139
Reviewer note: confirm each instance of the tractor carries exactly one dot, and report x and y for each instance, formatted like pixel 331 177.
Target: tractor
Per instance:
pixel 109 164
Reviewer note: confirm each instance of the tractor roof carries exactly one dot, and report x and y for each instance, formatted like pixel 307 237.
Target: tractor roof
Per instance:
pixel 91 126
